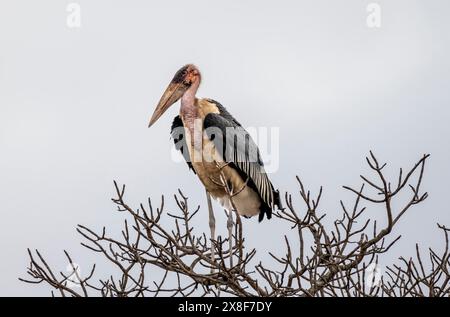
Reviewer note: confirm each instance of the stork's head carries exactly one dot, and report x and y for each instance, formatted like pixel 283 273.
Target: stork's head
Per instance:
pixel 185 78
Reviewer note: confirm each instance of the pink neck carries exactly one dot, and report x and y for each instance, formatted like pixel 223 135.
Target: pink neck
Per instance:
pixel 188 109
pixel 188 98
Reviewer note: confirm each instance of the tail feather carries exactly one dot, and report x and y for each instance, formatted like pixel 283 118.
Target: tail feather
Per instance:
pixel 267 210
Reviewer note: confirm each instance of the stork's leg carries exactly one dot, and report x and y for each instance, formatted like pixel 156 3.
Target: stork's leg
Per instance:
pixel 230 235
pixel 212 226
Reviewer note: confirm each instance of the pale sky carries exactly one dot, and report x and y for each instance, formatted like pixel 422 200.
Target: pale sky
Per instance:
pixel 75 104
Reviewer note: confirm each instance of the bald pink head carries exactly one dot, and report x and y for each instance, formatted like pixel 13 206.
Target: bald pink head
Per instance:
pixel 184 84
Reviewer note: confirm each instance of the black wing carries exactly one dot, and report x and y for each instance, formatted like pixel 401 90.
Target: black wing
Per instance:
pixel 242 154
pixel 178 134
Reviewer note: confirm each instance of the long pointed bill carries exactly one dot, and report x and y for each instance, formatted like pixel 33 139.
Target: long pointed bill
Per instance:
pixel 171 95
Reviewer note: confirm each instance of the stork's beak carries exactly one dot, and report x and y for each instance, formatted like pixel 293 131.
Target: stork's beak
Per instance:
pixel 172 94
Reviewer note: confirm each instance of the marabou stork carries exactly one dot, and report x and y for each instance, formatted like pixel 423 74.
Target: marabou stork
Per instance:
pixel 218 149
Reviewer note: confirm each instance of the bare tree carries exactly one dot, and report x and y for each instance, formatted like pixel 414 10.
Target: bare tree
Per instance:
pixel 322 260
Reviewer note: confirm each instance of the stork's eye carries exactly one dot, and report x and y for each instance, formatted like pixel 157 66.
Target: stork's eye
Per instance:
pixel 184 72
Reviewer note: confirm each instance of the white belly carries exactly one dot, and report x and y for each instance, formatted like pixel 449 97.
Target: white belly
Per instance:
pixel 247 202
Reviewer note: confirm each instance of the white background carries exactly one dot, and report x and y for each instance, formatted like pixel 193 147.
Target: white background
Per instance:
pixel 75 104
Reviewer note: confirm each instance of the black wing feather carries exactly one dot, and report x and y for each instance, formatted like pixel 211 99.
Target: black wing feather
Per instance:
pixel 179 138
